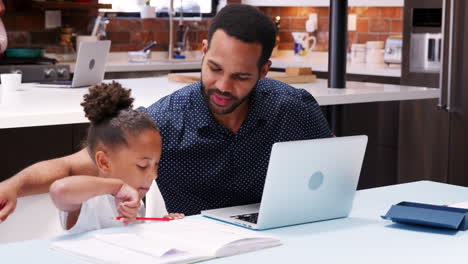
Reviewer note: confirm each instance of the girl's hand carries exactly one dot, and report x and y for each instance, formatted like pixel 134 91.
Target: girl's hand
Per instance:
pixel 8 198
pixel 128 202
pixel 174 216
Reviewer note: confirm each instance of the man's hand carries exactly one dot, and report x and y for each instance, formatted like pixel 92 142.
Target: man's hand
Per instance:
pixel 8 196
pixel 128 203
pixel 174 216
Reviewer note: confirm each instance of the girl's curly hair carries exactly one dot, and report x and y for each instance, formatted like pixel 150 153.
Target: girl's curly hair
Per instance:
pixel 109 108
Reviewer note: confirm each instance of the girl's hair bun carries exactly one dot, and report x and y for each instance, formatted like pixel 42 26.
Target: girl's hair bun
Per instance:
pixel 105 101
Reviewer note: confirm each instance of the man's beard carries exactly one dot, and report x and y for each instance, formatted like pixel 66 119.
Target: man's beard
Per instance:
pixel 234 101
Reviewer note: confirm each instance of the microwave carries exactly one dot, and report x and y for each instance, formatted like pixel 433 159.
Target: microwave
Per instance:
pixel 425 52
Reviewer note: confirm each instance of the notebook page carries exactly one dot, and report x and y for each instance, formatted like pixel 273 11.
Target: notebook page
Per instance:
pixel 181 241
pixel 203 236
pixel 246 245
pixel 177 234
pixel 460 205
pixel 140 244
pixel 98 251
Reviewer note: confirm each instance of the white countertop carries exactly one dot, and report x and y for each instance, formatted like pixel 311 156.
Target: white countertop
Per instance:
pixel 318 61
pixel 118 62
pixel 36 106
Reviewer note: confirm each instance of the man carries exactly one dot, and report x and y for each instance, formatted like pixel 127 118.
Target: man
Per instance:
pixel 217 133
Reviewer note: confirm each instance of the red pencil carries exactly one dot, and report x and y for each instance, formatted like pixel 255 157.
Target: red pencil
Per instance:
pixel 146 218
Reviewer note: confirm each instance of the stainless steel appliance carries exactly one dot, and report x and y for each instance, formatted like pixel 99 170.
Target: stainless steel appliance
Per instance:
pixel 425 52
pixel 393 50
pixel 433 134
pixel 39 72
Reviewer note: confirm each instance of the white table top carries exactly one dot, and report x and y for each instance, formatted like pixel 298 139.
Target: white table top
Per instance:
pixel 363 237
pixel 36 106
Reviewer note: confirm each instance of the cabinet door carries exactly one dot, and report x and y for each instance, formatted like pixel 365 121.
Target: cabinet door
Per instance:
pixel 423 142
pixel 80 132
pixel 379 121
pixel 21 147
pixel 458 151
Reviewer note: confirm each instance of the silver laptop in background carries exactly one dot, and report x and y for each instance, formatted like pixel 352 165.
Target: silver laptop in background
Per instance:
pixel 306 181
pixel 89 68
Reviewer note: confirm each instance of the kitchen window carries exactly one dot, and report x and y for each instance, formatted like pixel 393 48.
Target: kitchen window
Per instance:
pixel 189 8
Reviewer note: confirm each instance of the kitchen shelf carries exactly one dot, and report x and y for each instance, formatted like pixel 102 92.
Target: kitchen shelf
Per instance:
pixel 317 3
pixel 70 5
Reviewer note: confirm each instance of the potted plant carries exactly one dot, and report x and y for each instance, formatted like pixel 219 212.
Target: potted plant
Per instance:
pixel 147 11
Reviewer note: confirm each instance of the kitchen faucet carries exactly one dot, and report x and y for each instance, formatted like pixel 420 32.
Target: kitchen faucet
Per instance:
pixel 181 44
pixel 171 30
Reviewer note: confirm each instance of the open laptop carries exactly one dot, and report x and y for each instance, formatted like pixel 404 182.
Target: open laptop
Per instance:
pixel 89 68
pixel 306 181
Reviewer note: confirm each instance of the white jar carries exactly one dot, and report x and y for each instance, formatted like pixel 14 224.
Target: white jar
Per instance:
pixel 375 52
pixel 358 53
pixel 147 11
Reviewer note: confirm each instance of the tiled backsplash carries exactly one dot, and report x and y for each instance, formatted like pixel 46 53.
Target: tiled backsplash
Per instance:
pixel 26 29
pixel 134 33
pixel 126 34
pixel 373 23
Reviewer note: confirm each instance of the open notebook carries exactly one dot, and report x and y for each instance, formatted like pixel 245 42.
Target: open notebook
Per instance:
pixel 181 241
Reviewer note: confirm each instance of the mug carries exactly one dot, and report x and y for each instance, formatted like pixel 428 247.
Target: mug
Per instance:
pixel 11 82
pixel 302 43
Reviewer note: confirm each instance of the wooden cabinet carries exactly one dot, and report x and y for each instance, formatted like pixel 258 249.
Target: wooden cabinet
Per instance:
pixel 380 122
pixel 21 147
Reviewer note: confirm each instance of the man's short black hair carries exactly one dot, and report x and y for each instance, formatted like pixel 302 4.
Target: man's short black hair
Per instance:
pixel 248 24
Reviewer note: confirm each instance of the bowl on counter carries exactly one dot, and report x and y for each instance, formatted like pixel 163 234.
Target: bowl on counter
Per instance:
pixel 139 56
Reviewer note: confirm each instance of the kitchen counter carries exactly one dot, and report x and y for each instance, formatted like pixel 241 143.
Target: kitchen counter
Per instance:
pixel 36 106
pixel 318 61
pixel 118 62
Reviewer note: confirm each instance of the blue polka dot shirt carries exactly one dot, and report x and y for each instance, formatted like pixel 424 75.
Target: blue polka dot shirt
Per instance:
pixel 206 166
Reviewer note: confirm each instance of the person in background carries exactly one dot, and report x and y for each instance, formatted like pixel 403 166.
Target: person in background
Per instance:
pixel 2 8
pixel 217 133
pixel 125 146
pixel 3 34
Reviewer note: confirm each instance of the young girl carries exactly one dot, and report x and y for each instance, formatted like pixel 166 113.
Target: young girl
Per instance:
pixel 126 146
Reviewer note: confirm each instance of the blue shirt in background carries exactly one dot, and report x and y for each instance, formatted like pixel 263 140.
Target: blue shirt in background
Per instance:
pixel 206 166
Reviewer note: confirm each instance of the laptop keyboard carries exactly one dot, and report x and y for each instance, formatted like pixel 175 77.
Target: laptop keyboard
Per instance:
pixel 252 218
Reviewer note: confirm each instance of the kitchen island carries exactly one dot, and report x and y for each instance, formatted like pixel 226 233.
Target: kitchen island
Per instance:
pixel 34 106
pixel 44 123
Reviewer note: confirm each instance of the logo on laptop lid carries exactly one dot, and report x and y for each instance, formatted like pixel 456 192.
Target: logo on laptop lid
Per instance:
pixel 316 180
pixel 92 62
